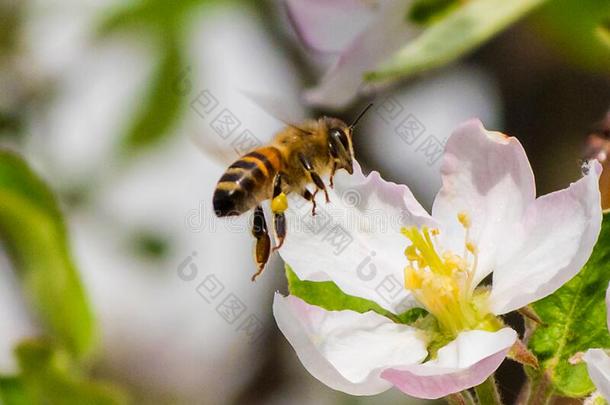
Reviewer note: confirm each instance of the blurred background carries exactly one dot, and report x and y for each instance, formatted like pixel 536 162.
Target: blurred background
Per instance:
pixel 116 106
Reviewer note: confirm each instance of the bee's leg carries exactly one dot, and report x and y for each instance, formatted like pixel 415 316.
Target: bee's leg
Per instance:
pixel 263 243
pixel 310 197
pixel 319 184
pixel 332 174
pixel 279 204
pixel 314 176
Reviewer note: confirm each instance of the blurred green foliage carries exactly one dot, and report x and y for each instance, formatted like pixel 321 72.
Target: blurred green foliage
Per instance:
pixel 574 320
pixel 161 106
pixel 48 376
pixel 426 11
pixel 32 228
pixel 603 32
pixel 164 101
pixel 150 245
pixel 453 35
pixel 572 27
pixel 11 17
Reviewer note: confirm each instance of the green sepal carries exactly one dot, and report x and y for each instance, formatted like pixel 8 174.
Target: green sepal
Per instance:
pixel 328 295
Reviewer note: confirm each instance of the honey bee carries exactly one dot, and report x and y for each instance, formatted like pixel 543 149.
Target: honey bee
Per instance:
pixel 298 156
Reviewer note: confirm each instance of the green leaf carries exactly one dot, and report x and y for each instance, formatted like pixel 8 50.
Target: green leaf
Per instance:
pixel 452 36
pixel 49 377
pixel 574 320
pixel 33 231
pixel 425 11
pixel 329 296
pixel 162 104
pixel 575 30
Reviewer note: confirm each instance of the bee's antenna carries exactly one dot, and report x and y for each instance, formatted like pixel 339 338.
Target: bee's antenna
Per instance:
pixel 368 107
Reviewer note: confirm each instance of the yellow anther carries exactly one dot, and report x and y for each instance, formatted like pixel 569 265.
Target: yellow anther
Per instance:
pixel 434 232
pixel 471 247
pixel 453 262
pixel 413 281
pixel 279 204
pixel 411 253
pixel 464 219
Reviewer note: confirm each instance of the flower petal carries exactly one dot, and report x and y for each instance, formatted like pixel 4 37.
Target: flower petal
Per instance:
pixel 487 175
pixel 346 350
pixel 598 366
pixel 328 25
pixel 355 240
pixel 560 230
pixel 466 362
pixel 388 31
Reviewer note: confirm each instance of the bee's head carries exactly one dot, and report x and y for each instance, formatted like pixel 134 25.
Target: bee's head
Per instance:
pixel 340 144
pixel 340 141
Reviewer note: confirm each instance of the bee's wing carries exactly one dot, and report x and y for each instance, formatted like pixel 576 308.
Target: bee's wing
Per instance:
pixel 235 130
pixel 219 153
pixel 283 110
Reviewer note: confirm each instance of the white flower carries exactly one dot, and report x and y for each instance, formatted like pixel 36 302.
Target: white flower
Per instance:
pixel 598 361
pixel 485 219
pixel 364 33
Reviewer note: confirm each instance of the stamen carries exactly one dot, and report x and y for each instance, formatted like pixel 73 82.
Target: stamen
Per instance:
pixel 471 247
pixel 442 280
pixel 413 281
pixel 464 219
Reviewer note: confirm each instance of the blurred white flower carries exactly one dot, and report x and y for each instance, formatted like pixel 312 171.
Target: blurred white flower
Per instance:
pixel 598 361
pixel 485 219
pixel 365 33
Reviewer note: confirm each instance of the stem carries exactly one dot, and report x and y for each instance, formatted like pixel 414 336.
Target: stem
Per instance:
pixel 487 392
pixel 460 398
pixel 540 391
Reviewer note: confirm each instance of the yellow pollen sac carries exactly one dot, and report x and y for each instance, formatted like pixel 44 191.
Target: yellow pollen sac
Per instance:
pixel 411 253
pixel 471 247
pixel 279 204
pixel 464 219
pixel 454 262
pixel 434 232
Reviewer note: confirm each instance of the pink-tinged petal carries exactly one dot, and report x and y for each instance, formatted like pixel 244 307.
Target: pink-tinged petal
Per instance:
pixel 464 363
pixel 347 350
pixel 385 35
pixel 329 25
pixel 355 239
pixel 598 366
pixel 487 175
pixel 559 231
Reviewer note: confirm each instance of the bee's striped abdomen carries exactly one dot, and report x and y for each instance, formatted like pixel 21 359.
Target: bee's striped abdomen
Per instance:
pixel 246 182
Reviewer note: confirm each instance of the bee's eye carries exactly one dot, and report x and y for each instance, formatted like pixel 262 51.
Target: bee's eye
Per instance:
pixel 339 135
